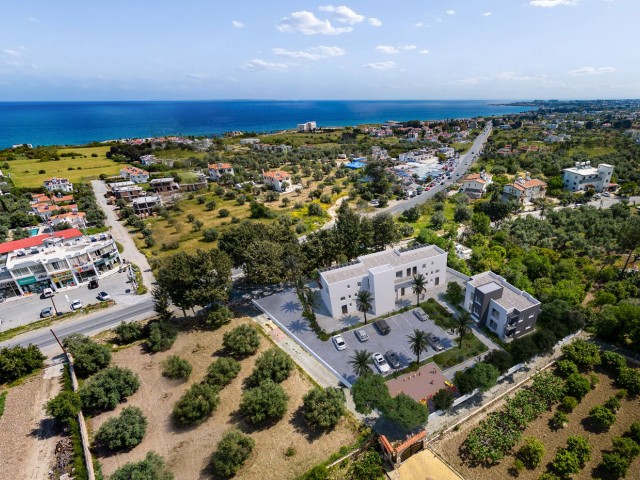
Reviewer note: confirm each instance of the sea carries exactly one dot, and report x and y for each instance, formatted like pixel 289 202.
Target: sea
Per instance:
pixel 78 123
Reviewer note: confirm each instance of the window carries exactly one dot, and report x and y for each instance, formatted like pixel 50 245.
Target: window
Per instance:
pixel 408 272
pixel 342 299
pixel 399 274
pixel 437 270
pixel 424 265
pixel 494 313
pixel 348 286
pixel 359 283
pixel 415 270
pixel 493 325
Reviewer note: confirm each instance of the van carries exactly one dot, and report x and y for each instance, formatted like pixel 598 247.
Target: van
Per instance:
pixel 47 292
pixel 382 326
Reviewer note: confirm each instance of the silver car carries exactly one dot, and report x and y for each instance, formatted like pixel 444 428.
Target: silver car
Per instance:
pixel 361 335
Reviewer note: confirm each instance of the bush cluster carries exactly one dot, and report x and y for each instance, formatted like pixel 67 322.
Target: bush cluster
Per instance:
pixel 196 404
pixel 323 407
pixel 572 458
pixel 531 453
pixel 274 365
pixel 242 341
pixel 217 317
pixel 128 332
pixel 624 450
pixel 482 375
pixel 222 372
pixel 89 357
pixel 151 468
pixel 64 407
pixel 107 388
pixel 17 362
pixel 266 402
pixel 124 431
pixel 161 335
pixel 232 451
pixel 176 368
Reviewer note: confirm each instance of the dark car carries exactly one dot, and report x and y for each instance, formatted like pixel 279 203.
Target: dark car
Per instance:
pixel 382 326
pixel 93 284
pixel 392 359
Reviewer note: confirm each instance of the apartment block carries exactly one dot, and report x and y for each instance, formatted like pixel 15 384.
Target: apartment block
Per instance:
pixel 582 177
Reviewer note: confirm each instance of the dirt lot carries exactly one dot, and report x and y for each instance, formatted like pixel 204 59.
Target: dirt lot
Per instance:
pixel 27 436
pixel 628 413
pixel 187 450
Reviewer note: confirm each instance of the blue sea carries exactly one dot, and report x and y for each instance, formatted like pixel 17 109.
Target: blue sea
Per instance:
pixel 76 123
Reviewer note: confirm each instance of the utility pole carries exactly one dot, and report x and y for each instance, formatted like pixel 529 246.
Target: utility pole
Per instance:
pixel 54 306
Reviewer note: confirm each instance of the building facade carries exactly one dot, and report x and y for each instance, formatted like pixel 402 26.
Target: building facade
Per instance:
pixel 502 308
pixel 216 170
pixel 58 185
pixel 388 275
pixel 524 190
pixel 136 175
pixel 164 185
pixel 475 185
pixel 582 177
pixel 279 180
pixel 143 206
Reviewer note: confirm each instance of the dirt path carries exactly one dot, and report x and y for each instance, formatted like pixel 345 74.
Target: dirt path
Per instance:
pixel 27 436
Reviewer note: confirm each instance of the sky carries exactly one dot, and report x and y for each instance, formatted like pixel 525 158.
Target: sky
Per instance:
pixel 290 50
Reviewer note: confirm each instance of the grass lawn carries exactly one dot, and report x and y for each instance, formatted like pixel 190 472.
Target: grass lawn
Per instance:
pixel 591 152
pixel 178 153
pixel 471 347
pixel 438 314
pixel 24 171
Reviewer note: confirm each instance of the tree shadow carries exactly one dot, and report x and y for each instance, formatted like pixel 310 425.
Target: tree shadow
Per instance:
pixel 301 426
pixel 292 307
pixel 47 428
pixel 299 326
pixel 350 320
pixel 237 420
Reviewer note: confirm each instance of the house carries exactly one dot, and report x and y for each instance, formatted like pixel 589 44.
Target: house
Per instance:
pixel 75 219
pixel 136 175
pixel 58 185
pixel 249 141
pixel 164 185
pixel 307 127
pixel 193 181
pixel 475 184
pixel 388 275
pixel 58 199
pixel 524 190
pixel 147 160
pixel 462 251
pixel 127 192
pixel 279 180
pixel 502 308
pixel 582 177
pixel 216 170
pixel 143 206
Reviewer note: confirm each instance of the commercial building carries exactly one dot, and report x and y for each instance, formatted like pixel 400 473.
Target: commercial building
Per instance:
pixel 582 177
pixel 388 275
pixel 58 185
pixel 502 308
pixel 475 185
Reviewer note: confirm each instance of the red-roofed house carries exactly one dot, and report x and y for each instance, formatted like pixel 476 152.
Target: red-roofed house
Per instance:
pixel 279 180
pixel 475 184
pixel 216 170
pixel 524 190
pixel 136 175
pixel 75 219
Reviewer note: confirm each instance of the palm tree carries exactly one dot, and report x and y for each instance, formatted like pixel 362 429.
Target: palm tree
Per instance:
pixel 419 285
pixel 364 302
pixel 463 322
pixel 360 361
pixel 417 343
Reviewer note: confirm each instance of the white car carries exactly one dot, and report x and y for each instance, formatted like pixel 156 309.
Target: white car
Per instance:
pixel 381 363
pixel 76 305
pixel 339 342
pixel 104 296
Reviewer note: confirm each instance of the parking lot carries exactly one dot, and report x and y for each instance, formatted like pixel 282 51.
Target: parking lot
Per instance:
pixel 286 310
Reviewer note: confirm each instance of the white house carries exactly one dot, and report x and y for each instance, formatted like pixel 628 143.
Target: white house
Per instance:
pixel 388 275
pixel 279 180
pixel 524 190
pixel 307 127
pixel 147 160
pixel 475 184
pixel 502 308
pixel 136 175
pixel 216 170
pixel 144 205
pixel 583 177
pixel 249 141
pixel 58 185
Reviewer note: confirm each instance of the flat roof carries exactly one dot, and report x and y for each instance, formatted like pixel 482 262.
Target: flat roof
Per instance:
pixel 511 297
pixel 420 385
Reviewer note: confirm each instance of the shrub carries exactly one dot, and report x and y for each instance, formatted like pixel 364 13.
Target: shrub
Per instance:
pixel 196 404
pixel 218 317
pixel 88 356
pixel 577 386
pixel 500 359
pixel 319 472
pixel 242 341
pixel 516 468
pixel 223 213
pixel 128 332
pixel 559 420
pixel 629 379
pixel 176 368
pixel 634 432
pixel 601 417
pixel 268 401
pixel 531 452
pixel 613 404
pixel 580 448
pixel 593 381
pixel 568 404
pixel 162 336
pixel 274 365
pixel 566 368
pixel 367 467
pixel 323 407
pixel 107 388
pixel 613 361
pixel 151 468
pixel 222 372
pixel 124 431
pixel 64 407
pixel 16 362
pixel 232 451
pixel 485 375
pixel 565 463
pixel 210 235
pixel 443 399
pixel 626 447
pixel 584 354
pixel 614 464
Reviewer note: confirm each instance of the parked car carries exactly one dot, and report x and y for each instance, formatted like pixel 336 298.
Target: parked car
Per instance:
pixel 104 296
pixel 47 292
pixel 361 335
pixel 93 284
pixel 382 326
pixel 435 343
pixel 393 359
pixel 380 363
pixel 420 315
pixel 374 203
pixel 339 342
pixel 46 312
pixel 76 305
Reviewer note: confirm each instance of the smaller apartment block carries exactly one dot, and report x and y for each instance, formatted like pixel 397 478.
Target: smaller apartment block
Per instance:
pixel 583 177
pixel 136 175
pixel 502 308
pixel 524 190
pixel 58 185
pixel 388 275
pixel 279 180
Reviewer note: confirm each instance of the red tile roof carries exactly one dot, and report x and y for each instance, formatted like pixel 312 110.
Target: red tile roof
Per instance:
pixel 38 240
pixel 218 166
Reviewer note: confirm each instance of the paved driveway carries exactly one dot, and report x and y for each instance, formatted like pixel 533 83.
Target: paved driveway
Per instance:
pixel 285 309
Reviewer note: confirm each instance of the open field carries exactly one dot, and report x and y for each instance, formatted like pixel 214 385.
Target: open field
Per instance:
pixel 187 450
pixel 24 171
pixel 539 428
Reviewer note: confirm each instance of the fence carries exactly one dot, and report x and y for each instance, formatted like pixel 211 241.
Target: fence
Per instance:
pixel 84 434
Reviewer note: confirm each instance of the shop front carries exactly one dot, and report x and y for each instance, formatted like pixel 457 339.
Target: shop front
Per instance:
pixel 86 273
pixel 63 279
pixel 9 289
pixel 33 285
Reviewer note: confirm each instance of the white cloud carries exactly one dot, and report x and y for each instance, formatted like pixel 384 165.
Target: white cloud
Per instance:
pixel 409 47
pixel 308 24
pixel 374 22
pixel 237 24
pixel 450 12
pixel 12 53
pixel 508 76
pixel 486 14
pixel 343 14
pixel 388 49
pixel 591 70
pixel 552 3
pixel 257 64
pixel 314 53
pixel 381 65
pixel 424 52
pixel 419 24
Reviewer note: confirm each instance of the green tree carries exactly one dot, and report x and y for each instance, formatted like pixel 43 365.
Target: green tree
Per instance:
pixel 418 286
pixel 367 467
pixel 323 407
pixel 222 372
pixel 88 356
pixel 629 239
pixel 601 418
pixel 629 379
pixel 161 304
pixel 615 464
pixel 266 402
pixel 360 362
pixel 128 332
pixel 176 368
pixel 405 411
pixel 565 463
pixel 566 368
pixel 500 359
pixel 242 341
pixel 385 231
pixel 584 354
pixel 364 302
pixel 263 263
pixel 531 453
pixel 370 392
pixel 196 404
pixel 273 364
pixel 64 407
pixel 161 335
pixel 418 342
pixel 124 431
pixel 438 220
pixel 232 451
pixel 151 468
pixel 485 375
pixel 463 326
pixel 454 294
pixel 577 385
pixel 443 399
pixel 107 388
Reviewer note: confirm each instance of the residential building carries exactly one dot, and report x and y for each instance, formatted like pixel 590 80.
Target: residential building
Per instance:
pixel 524 190
pixel 58 185
pixel 164 185
pixel 279 180
pixel 249 141
pixel 307 127
pixel 463 252
pixel 115 185
pixel 136 175
pixel 475 185
pixel 583 177
pixel 216 170
pixel 143 206
pixel 388 275
pixel 267 147
pixel 193 182
pixel 502 308
pixel 147 160
pixel 128 192
pixel 75 219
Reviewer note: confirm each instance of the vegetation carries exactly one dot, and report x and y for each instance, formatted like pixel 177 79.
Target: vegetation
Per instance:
pixel 196 404
pixel 601 417
pixel 176 368
pixel 582 353
pixel 482 376
pixel 367 467
pixel 531 453
pixel 443 399
pixel 577 386
pixel 89 357
pixel 323 407
pixel 107 388
pixel 161 335
pixel 222 372
pixel 266 402
pixel 124 431
pixel 64 407
pixel 151 468
pixel 17 362
pixel 273 364
pixel 615 463
pixel 573 458
pixel 128 332
pixel 242 341
pixel 232 451
pixel 361 361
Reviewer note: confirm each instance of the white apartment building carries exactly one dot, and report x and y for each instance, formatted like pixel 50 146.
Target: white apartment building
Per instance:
pixel 216 170
pixel 583 177
pixel 388 275
pixel 136 175
pixel 475 185
pixel 307 127
pixel 279 180
pixel 502 308
pixel 58 185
